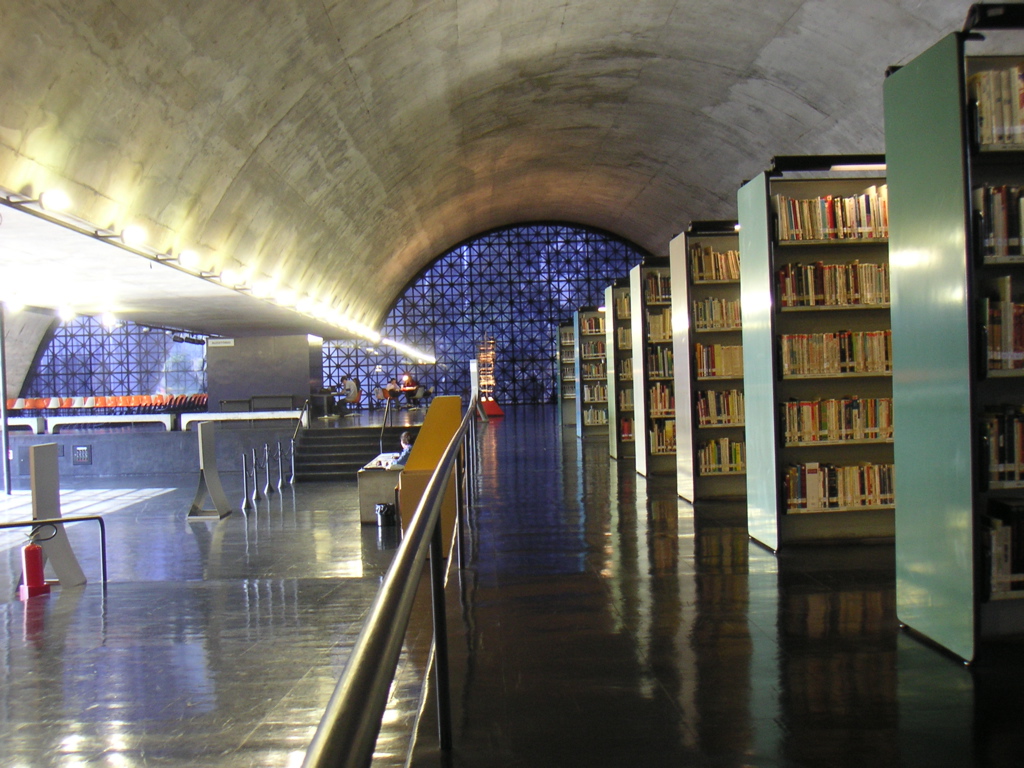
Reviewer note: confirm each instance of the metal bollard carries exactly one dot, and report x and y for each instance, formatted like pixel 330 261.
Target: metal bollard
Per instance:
pixel 280 467
pixel 267 487
pixel 246 501
pixel 256 496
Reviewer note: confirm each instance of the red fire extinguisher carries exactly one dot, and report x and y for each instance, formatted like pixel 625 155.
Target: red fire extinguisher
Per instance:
pixel 33 580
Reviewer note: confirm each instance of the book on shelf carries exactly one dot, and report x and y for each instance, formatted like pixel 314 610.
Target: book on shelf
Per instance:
pixel 595 417
pixel 998 97
pixel 592 324
pixel 1004 327
pixel 622 309
pixel 626 428
pixel 624 337
pixel 1005 524
pixel 722 456
pixel 998 211
pixel 816 487
pixel 719 408
pixel 626 369
pixel 662 400
pixel 718 360
pixel 837 420
pixel 660 362
pixel 1004 434
pixel 710 266
pixel 713 314
pixel 595 393
pixel 657 288
pixel 592 348
pixel 659 326
pixel 626 400
pixel 834 217
pixel 567 338
pixel 663 436
pixel 833 285
pixel 834 354
pixel 593 370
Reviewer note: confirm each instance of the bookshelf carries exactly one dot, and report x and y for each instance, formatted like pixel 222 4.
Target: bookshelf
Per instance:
pixel 816 352
pixel 958 395
pixel 711 451
pixel 653 370
pixel 591 372
pixel 567 374
pixel 619 343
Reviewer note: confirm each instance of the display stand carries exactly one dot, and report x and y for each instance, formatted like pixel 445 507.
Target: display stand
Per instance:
pixel 619 346
pixel 653 369
pixel 711 450
pixel 591 372
pixel 957 277
pixel 209 478
pixel 816 351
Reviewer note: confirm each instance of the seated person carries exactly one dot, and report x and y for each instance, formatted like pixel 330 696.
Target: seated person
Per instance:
pixel 409 387
pixel 392 389
pixel 349 390
pixel 406 441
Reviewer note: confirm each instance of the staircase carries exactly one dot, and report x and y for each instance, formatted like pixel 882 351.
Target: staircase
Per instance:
pixel 338 454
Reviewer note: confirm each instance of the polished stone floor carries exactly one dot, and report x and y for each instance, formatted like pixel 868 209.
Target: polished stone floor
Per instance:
pixel 598 621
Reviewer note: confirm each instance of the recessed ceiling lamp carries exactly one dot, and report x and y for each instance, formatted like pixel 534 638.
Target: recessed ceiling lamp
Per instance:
pixel 133 235
pixel 55 200
pixel 66 314
pixel 189 259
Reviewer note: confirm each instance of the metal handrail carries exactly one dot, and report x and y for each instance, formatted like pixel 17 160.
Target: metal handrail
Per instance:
pixel 305 411
pixel 54 522
pixel 348 730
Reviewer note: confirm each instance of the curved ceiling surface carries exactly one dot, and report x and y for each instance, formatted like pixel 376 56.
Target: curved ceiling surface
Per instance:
pixel 339 147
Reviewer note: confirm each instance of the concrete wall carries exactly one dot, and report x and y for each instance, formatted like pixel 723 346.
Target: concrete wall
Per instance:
pixel 24 331
pixel 259 366
pixel 128 454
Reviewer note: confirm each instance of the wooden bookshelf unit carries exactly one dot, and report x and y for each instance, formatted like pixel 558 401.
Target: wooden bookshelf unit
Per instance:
pixel 591 372
pixel 817 354
pixel 619 343
pixel 567 374
pixel 955 170
pixel 711 450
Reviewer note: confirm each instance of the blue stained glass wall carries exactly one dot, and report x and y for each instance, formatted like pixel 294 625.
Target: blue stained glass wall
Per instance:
pixel 86 359
pixel 515 285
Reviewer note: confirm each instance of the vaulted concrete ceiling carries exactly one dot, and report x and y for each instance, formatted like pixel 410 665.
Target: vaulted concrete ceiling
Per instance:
pixel 340 146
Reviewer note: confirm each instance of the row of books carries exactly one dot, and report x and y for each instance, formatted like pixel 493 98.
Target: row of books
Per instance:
pixel 1004 327
pixel 657 288
pixel 998 96
pixel 622 310
pixel 999 212
pixel 626 429
pixel 626 400
pixel 663 437
pixel 593 370
pixel 719 408
pixel 568 390
pixel 833 285
pixel 659 326
pixel 568 355
pixel 595 417
pixel 568 371
pixel 567 338
pixel 624 337
pixel 717 315
pixel 1005 524
pixel 833 217
pixel 836 420
pixel 662 400
pixel 595 393
pixel 722 456
pixel 660 362
pixel 1004 432
pixel 718 361
pixel 710 266
pixel 833 354
pixel 592 324
pixel 626 369
pixel 814 487
pixel 592 348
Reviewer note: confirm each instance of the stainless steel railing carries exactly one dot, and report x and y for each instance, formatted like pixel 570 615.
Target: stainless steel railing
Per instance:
pixel 348 730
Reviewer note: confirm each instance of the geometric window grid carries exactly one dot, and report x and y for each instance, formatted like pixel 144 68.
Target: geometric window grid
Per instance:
pixel 515 285
pixel 84 358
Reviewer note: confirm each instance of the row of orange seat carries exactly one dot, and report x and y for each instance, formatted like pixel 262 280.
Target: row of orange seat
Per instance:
pixel 120 403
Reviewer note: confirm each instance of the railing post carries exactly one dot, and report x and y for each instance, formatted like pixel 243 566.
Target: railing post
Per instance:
pixel 442 688
pixel 256 495
pixel 267 487
pixel 460 503
pixel 246 501
pixel 291 457
pixel 280 467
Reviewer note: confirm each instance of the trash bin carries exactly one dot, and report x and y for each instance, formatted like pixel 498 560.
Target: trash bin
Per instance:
pixel 387 526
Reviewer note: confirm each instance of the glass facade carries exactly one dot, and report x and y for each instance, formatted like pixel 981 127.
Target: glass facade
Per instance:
pixel 514 285
pixel 86 359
